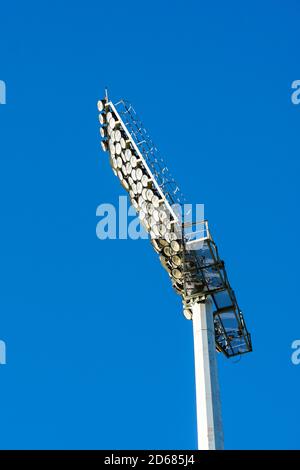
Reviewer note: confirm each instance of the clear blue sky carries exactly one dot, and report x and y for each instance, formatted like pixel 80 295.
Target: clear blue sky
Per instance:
pixel 99 354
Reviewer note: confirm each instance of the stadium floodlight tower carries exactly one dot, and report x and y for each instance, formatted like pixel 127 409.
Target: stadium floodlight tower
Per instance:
pixel 188 253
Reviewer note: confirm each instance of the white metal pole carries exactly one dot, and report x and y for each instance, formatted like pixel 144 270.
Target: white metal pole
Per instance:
pixel 209 419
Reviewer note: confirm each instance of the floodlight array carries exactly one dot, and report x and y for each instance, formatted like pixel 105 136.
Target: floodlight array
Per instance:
pixel 190 257
pixel 139 177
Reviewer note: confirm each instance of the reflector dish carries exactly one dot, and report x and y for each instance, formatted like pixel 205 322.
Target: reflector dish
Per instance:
pixel 144 206
pixel 145 224
pixel 152 235
pixel 168 237
pixel 162 229
pixel 128 169
pixel 112 148
pixel 145 181
pixel 133 161
pixel 155 231
pixel 149 194
pixel 104 145
pixel 162 215
pixel 155 201
pixel 133 186
pixel 133 174
pixel 167 251
pixel 139 174
pixel 130 180
pixel 155 245
pixel 128 154
pixel 175 246
pixel 118 148
pixel 102 118
pixel 125 184
pixel 141 202
pixel 176 273
pixel 142 215
pixel 139 187
pixel 155 215
pixel 151 221
pixel 150 207
pixel 115 163
pixel 176 260
pixel 187 313
pixel 134 203
pixel 112 122
pixel 101 105
pixel 162 242
pixel 118 136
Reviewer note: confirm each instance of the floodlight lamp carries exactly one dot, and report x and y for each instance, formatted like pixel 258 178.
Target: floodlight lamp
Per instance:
pixel 134 188
pixel 138 173
pixel 145 181
pixel 167 251
pixel 155 215
pixel 175 246
pixel 155 201
pixel 164 262
pixel 145 224
pixel 133 161
pixel 142 215
pixel 162 215
pixel 134 203
pixel 187 313
pixel 112 148
pixel 176 273
pixel 119 162
pixel 102 119
pixel 125 184
pixel 139 187
pixel 118 136
pixel 101 105
pixel 176 260
pixel 128 154
pixel 104 145
pixel 149 195
pixel 150 207
pixel 118 148
pixel 133 174
pixel 113 122
pixel 155 230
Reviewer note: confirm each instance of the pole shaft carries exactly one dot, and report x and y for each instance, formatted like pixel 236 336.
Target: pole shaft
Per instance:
pixel 209 419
